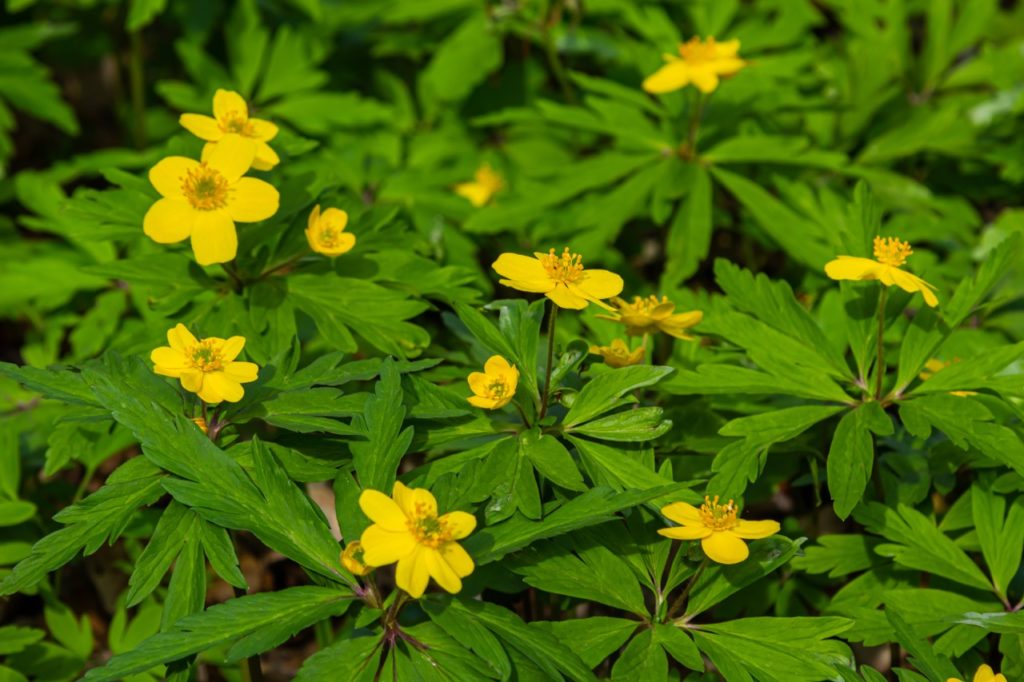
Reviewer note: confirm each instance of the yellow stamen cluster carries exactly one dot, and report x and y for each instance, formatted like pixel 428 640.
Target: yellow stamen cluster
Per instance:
pixel 567 268
pixel 205 188
pixel 697 51
pixel 427 528
pixel 205 356
pixel 891 251
pixel 235 122
pixel 497 389
pixel 645 306
pixel 329 238
pixel 718 516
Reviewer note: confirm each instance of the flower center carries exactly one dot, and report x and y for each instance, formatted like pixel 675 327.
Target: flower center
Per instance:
pixel 891 251
pixel 234 122
pixel 329 237
pixel 205 356
pixel 205 188
pixel 428 529
pixel 497 388
pixel 564 269
pixel 695 51
pixel 718 516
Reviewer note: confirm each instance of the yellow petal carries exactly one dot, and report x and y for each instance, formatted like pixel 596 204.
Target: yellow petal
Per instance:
pixel 168 360
pixel 458 558
pixel 414 502
pixel 725 548
pixel 334 219
pixel 685 532
pixel 682 512
pixel 252 200
pixel 383 511
pixel 230 349
pixel 266 158
pixel 677 325
pixel 728 48
pixel 705 78
pixel 263 130
pixel 497 365
pixel 563 297
pixel 169 220
pixel 242 372
pixel 908 282
pixel 519 268
pixel 474 192
pixel 600 284
pixel 441 571
pixel 192 380
pixel 478 382
pixel 209 391
pixel 460 524
pixel 535 286
pixel 343 243
pixel 203 127
pixel 180 338
pixel 412 574
pixel 214 239
pixel 854 268
pixel 382 547
pixel 167 175
pixel 228 103
pixel 755 530
pixel 232 156
pixel 984 673
pixel 672 76
pixel 728 66
pixel 485 403
pixel 227 388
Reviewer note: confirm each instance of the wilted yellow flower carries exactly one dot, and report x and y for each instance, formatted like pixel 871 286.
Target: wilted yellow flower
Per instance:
pixel 561 278
pixel 408 530
pixel 231 117
pixel 485 184
pixel 721 534
pixel 206 367
pixel 651 314
pixel 201 423
pixel 618 354
pixel 890 253
pixel 933 367
pixel 203 200
pixel 495 386
pixel 352 559
pixel 326 234
pixel 983 674
pixel 699 63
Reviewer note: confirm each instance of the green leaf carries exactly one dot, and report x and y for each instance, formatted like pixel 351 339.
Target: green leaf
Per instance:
pixel 689 235
pixel 177 526
pixel 551 459
pixel 76 635
pixel 838 554
pixel 14 638
pixel 376 459
pixel 632 425
pixel 921 654
pixel 605 392
pixel 593 639
pixel 353 658
pixel 463 60
pixel 622 470
pixel 468 631
pixel 1002 539
pixel 679 645
pixel 221 553
pixel 718 581
pixel 852 454
pixel 272 612
pixel 642 660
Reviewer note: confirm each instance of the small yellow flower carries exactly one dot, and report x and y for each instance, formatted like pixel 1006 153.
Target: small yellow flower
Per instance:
pixel 485 184
pixel 231 117
pixel 495 387
pixel 984 674
pixel 561 278
pixel 699 63
pixel 201 423
pixel 407 529
pixel 618 354
pixel 890 254
pixel 651 314
pixel 203 200
pixel 326 234
pixel 721 534
pixel 207 368
pixel 933 367
pixel 352 559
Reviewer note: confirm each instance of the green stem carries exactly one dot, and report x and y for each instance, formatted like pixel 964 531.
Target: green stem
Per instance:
pixel 880 363
pixel 324 634
pixel 681 599
pixel 138 92
pixel 691 135
pixel 545 396
pixel 249 667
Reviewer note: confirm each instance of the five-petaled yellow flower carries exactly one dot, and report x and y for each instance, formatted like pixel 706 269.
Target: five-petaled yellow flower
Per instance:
pixel 326 234
pixel 890 254
pixel 934 366
pixel 352 559
pixel 651 314
pixel 495 386
pixel 407 529
pixel 203 200
pixel 561 278
pixel 618 354
pixel 485 184
pixel 231 117
pixel 721 534
pixel 206 367
pixel 983 674
pixel 700 63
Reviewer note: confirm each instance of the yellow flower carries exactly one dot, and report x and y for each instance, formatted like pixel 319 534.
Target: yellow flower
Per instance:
pixel 486 183
pixel 933 366
pixel 890 253
pixel 721 534
pixel 202 200
pixel 618 354
pixel 231 117
pixel 495 387
pixel 352 559
pixel 326 234
pixel 700 63
pixel 205 367
pixel 200 422
pixel 649 315
pixel 984 674
pixel 560 278
pixel 408 530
